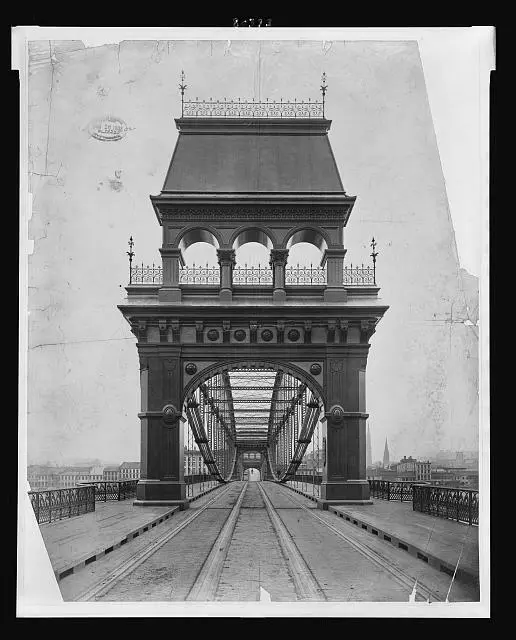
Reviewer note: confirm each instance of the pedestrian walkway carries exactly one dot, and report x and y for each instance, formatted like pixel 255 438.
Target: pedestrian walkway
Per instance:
pixel 440 542
pixel 76 542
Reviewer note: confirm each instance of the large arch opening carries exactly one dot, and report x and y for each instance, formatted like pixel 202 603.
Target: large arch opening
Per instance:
pixel 252 474
pixel 199 247
pixel 271 407
pixel 252 252
pixel 308 235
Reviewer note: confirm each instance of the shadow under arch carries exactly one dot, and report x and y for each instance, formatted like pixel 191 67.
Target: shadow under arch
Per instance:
pixel 194 234
pixel 312 235
pixel 243 235
pixel 256 364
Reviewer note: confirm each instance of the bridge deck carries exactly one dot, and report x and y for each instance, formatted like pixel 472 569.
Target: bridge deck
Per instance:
pixel 441 541
pixel 74 542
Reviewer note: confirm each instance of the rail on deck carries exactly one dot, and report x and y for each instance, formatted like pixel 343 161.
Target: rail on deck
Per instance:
pixel 50 505
pixel 451 503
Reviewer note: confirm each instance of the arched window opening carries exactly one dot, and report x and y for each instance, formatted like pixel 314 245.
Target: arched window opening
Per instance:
pixel 255 236
pixel 310 236
pixel 303 265
pixel 200 254
pixel 252 264
pixel 197 235
pixel 304 254
pixel 199 249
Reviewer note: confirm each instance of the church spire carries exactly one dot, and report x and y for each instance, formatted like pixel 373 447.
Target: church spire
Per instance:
pixel 386 462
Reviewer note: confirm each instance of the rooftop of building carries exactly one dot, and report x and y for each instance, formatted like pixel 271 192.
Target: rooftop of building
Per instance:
pixel 252 156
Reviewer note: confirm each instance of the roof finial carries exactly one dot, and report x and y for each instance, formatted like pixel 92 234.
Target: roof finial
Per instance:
pixel 182 87
pixel 130 253
pixel 324 87
pixel 373 256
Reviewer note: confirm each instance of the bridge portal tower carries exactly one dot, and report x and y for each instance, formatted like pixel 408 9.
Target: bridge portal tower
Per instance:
pixel 266 173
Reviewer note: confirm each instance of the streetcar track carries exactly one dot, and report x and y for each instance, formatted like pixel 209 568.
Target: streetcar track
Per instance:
pixel 130 565
pixel 306 585
pixel 403 578
pixel 207 582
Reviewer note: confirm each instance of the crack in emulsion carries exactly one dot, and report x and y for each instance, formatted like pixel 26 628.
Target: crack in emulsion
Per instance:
pixel 52 61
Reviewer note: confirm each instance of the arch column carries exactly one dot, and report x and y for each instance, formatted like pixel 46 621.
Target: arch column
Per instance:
pixel 227 260
pixel 344 431
pixel 333 260
pixel 162 451
pixel 278 262
pixel 172 259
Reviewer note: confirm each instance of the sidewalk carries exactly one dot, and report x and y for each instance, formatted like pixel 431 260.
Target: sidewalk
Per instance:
pixel 437 541
pixel 75 542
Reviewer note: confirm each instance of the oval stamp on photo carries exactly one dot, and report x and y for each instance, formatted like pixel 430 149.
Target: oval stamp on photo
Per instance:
pixel 109 128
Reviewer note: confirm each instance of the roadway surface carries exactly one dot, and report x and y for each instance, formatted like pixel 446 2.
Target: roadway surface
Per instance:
pixel 247 537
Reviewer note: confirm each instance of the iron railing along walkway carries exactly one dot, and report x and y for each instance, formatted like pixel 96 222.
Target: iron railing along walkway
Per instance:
pixel 56 504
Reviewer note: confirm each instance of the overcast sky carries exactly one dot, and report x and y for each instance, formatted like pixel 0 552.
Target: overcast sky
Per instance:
pixel 90 196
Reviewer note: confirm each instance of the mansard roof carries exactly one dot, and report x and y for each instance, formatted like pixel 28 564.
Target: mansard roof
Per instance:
pixel 241 155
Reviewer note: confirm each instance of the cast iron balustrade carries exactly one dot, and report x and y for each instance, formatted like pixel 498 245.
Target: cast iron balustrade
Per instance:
pixel 252 275
pixel 56 504
pixel 115 490
pixel 294 276
pixel 446 502
pixel 199 275
pixel 305 275
pixel 252 109
pixel 146 274
pixel 359 275
pixel 387 490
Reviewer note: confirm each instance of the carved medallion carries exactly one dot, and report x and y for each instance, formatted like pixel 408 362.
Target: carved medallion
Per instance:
pixel 337 415
pixel 239 335
pixel 315 369
pixel 191 368
pixel 170 414
pixel 293 335
pixel 267 335
pixel 213 335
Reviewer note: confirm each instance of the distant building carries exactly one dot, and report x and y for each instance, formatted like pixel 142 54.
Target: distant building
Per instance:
pixel 412 470
pixel 194 462
pixel 379 473
pixel 111 473
pixel 129 471
pixel 447 476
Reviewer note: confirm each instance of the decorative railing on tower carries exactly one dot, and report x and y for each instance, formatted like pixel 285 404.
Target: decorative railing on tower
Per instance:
pixel 238 108
pixel 199 275
pixel 298 275
pixel 252 275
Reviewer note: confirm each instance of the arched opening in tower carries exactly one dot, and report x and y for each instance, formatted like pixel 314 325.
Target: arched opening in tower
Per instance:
pixel 263 409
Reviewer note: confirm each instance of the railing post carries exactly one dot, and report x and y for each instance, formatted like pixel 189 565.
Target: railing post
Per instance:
pixel 388 490
pixel 470 514
pixel 227 260
pixel 37 507
pixel 333 260
pixel 278 263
